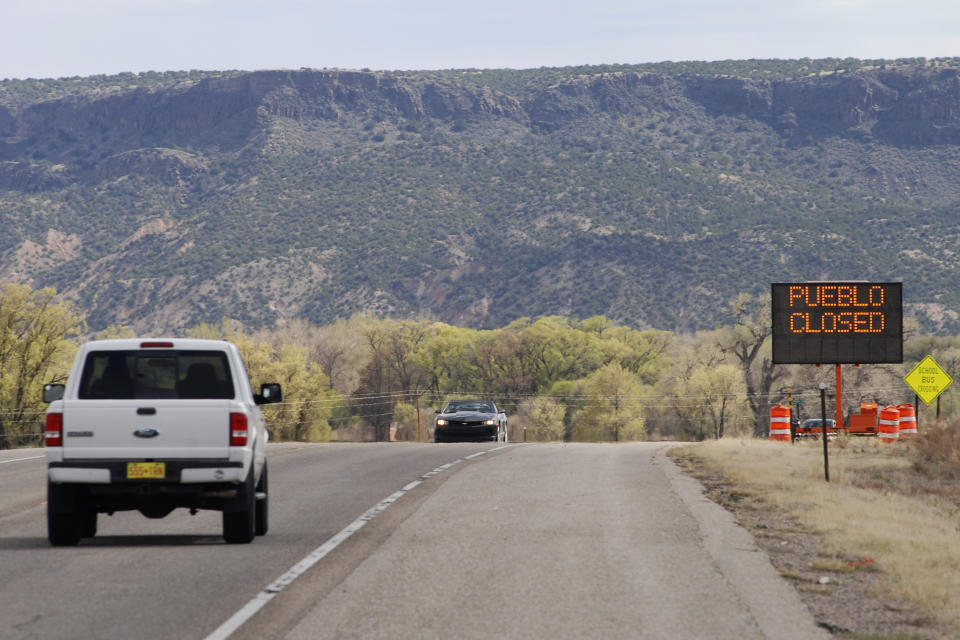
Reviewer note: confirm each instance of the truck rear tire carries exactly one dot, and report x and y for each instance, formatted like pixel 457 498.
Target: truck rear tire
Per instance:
pixel 239 524
pixel 63 521
pixel 88 523
pixel 261 522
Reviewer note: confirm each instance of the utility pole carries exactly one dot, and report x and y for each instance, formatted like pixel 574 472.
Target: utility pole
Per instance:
pixel 416 400
pixel 838 407
pixel 823 423
pixel 793 430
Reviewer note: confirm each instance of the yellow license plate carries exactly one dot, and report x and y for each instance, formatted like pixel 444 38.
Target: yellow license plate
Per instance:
pixel 139 470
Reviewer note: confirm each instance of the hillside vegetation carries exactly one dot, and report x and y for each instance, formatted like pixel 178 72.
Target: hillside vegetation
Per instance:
pixel 650 194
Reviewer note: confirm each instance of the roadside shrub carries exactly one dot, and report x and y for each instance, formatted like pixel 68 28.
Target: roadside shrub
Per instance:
pixel 938 451
pixel 542 418
pixel 405 420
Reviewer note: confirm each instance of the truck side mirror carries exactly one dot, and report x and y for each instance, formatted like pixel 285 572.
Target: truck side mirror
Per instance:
pixel 270 392
pixel 52 392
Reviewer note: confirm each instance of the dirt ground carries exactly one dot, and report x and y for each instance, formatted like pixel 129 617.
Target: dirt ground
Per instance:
pixel 841 593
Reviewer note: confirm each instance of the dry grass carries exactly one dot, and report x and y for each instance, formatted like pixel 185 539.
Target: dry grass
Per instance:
pixel 893 509
pixel 938 454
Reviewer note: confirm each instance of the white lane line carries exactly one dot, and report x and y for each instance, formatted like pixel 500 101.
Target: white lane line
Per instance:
pixel 274 588
pixel 21 459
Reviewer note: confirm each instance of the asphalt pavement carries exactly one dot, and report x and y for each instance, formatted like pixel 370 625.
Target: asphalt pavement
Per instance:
pixel 432 541
pixel 548 541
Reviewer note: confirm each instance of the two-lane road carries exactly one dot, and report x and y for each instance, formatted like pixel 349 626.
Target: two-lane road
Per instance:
pixel 174 576
pixel 529 541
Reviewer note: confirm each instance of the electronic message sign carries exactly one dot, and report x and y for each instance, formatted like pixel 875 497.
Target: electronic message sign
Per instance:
pixel 837 322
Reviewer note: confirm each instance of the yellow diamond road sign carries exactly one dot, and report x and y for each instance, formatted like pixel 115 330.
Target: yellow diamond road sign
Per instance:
pixel 928 379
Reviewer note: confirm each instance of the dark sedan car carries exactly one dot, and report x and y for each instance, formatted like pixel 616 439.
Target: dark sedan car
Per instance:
pixel 813 428
pixel 470 420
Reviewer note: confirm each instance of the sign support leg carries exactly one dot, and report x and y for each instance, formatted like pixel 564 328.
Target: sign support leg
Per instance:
pixel 823 424
pixel 916 408
pixel 839 408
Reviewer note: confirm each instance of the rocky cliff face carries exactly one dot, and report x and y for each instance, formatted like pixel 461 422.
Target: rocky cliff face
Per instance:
pixel 907 107
pixel 227 114
pixel 914 107
pixel 616 94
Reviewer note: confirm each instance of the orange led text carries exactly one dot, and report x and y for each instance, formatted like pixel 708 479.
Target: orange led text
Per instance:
pixel 844 322
pixel 836 295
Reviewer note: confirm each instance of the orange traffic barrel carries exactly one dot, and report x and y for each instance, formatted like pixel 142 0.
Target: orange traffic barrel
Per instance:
pixel 908 420
pixel 780 423
pixel 889 425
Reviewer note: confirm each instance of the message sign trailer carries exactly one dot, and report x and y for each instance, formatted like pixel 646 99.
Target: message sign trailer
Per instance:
pixel 837 322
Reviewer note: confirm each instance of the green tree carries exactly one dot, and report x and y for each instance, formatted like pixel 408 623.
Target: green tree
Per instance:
pixel 748 341
pixel 497 369
pixel 393 371
pixel 308 401
pixel 615 406
pixel 443 356
pixel 551 350
pixel 678 413
pixel 718 395
pixel 35 348
pixel 641 352
pixel 340 350
pixel 542 419
pixel 112 333
pixel 304 414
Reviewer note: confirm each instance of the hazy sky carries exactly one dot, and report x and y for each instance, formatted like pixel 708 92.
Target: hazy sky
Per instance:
pixel 60 38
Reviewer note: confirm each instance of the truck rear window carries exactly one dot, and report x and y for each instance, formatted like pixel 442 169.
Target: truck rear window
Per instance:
pixel 155 374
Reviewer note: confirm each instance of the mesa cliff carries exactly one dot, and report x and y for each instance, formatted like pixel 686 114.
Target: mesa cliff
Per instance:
pixel 477 198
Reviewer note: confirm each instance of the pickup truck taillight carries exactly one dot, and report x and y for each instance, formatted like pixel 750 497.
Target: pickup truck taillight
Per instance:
pixel 53 435
pixel 238 429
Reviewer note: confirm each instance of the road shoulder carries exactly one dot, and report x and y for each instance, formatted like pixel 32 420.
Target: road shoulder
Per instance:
pixel 842 600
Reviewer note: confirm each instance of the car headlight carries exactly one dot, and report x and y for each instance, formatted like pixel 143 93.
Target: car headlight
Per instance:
pixel 490 422
pixel 441 422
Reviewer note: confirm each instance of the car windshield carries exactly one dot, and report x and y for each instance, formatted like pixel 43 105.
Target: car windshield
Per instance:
pixel 479 407
pixel 119 375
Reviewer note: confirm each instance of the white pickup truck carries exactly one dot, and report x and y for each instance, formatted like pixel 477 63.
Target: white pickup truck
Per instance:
pixel 154 425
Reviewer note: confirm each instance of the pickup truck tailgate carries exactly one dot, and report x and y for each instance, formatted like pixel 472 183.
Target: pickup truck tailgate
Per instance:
pixel 139 429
